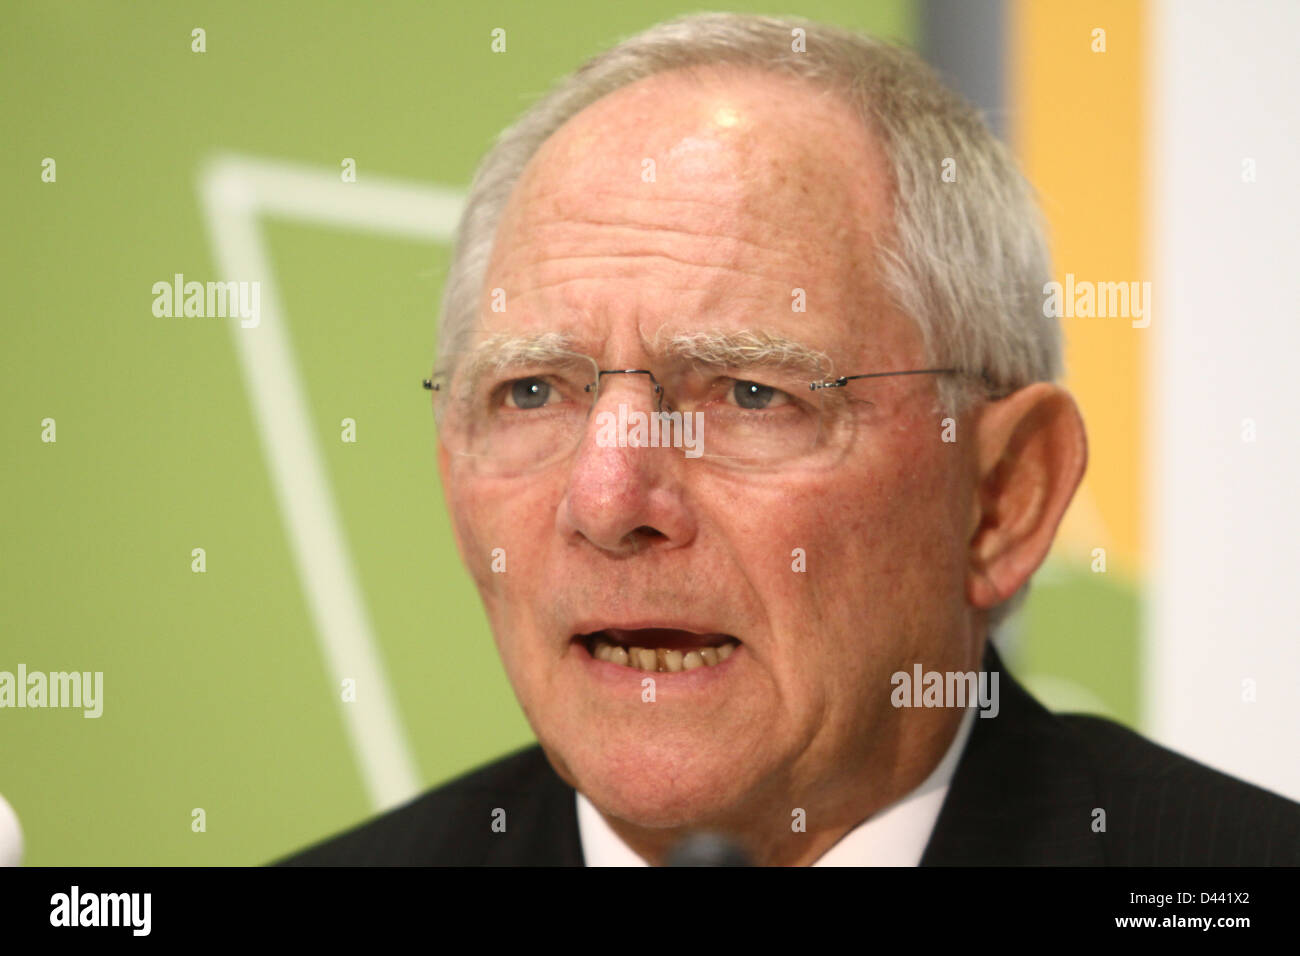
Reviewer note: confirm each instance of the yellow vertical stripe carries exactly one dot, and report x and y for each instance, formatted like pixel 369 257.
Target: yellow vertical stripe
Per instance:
pixel 1077 123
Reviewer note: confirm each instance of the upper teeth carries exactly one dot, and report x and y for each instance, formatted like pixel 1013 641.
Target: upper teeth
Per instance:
pixel 659 658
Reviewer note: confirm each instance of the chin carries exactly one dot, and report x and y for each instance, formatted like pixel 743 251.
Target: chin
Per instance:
pixel 653 786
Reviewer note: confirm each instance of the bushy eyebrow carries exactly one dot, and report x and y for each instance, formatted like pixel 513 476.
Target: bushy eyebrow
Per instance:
pixel 504 349
pixel 738 349
pixel 749 348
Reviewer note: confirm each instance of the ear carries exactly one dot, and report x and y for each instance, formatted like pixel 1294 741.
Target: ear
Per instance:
pixel 1031 455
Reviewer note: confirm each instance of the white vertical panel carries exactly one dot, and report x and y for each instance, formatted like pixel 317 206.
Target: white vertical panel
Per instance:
pixel 1224 513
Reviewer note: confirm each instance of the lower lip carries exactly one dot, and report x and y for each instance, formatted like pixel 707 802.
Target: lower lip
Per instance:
pixel 619 675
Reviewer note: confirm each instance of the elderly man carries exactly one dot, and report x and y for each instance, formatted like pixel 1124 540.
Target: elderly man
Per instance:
pixel 744 374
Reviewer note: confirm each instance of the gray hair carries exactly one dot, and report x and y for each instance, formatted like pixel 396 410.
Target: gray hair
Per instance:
pixel 969 258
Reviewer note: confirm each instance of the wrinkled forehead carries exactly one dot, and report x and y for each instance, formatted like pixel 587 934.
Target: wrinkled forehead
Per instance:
pixel 688 202
pixel 733 151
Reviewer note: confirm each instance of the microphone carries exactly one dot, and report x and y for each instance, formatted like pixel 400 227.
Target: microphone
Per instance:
pixel 707 848
pixel 11 835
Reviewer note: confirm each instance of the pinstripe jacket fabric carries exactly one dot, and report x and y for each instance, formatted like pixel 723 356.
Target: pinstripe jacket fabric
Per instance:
pixel 1027 791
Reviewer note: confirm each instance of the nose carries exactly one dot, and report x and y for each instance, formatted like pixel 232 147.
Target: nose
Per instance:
pixel 625 499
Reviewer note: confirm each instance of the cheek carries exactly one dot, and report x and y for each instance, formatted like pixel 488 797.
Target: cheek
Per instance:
pixel 861 546
pixel 499 525
pixel 908 530
pixel 808 539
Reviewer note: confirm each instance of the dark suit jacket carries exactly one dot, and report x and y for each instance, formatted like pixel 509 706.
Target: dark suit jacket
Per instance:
pixel 1024 793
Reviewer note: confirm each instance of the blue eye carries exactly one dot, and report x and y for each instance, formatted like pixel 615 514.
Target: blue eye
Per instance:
pixel 529 393
pixel 754 396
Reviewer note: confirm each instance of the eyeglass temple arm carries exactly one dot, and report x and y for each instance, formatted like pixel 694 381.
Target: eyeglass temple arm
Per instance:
pixel 845 379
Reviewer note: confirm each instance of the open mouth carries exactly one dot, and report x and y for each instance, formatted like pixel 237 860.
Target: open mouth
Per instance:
pixel 660 649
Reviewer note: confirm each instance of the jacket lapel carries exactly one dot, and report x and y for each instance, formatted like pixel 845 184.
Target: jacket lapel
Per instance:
pixel 1021 794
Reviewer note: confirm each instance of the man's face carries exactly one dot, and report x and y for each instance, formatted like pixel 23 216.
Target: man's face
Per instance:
pixel 760 187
